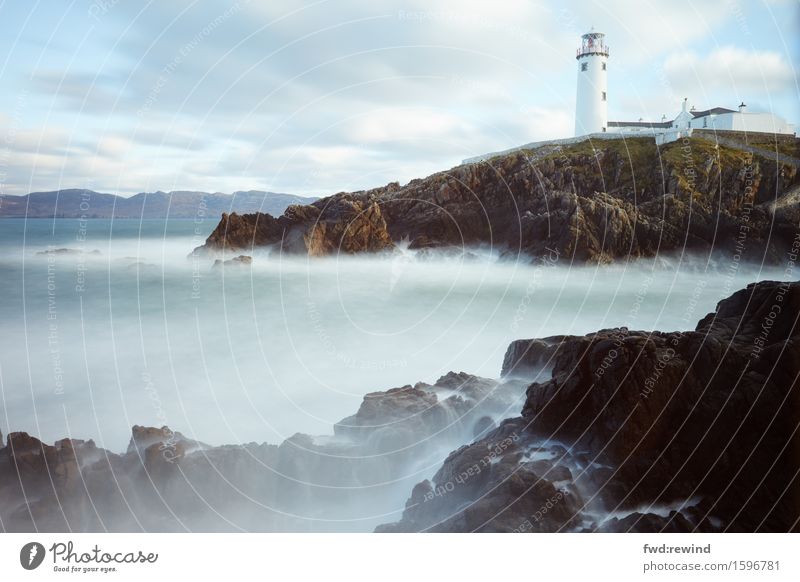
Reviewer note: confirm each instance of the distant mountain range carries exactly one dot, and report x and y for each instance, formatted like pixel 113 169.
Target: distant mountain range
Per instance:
pixel 76 203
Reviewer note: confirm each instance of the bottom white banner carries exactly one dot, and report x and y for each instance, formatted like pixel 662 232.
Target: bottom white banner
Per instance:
pixel 355 557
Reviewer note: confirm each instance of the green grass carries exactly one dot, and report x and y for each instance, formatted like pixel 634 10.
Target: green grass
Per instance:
pixel 786 147
pixel 693 154
pixel 640 162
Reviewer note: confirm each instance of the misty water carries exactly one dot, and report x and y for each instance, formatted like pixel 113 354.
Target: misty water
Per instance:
pixel 136 333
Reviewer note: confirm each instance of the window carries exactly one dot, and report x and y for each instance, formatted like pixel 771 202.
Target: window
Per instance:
pixel 604 95
pixel 604 66
pixel 604 130
pixel 584 66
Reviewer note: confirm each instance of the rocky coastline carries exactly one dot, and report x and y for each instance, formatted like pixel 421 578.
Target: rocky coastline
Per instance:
pixel 615 431
pixel 692 431
pixel 587 203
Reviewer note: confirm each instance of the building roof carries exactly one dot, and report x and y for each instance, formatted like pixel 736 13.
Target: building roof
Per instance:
pixel 639 123
pixel 712 111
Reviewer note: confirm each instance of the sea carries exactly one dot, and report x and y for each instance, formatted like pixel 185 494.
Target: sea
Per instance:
pixel 109 324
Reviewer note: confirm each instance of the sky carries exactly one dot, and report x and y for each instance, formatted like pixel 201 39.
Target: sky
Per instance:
pixel 313 98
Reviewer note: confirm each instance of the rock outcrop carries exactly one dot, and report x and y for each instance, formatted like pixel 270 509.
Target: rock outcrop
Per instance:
pixel 405 417
pixel 336 225
pixel 587 202
pixel 240 261
pixel 168 482
pixel 621 431
pixel 700 426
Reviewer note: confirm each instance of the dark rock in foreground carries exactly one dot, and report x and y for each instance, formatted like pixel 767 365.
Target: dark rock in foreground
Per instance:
pixel 168 482
pixel 701 425
pixel 621 431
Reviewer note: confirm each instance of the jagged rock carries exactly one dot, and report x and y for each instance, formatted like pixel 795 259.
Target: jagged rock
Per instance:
pixel 482 426
pixel 28 453
pixel 143 437
pixel 703 420
pixel 706 413
pixel 393 418
pixel 240 261
pixel 238 232
pixel 650 418
pixel 530 357
pixel 335 225
pixel 587 202
pixel 636 522
pixel 408 416
pixel 168 482
pixel 342 226
pixel 488 486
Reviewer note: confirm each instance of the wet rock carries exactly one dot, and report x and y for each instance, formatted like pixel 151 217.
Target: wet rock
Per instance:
pixel 646 418
pixel 527 358
pixel 647 523
pixel 168 482
pixel 240 261
pixel 482 426
pixel 143 437
pixel 412 415
pixel 663 407
pixel 336 225
pixel 486 487
pixel 67 251
pixel 702 420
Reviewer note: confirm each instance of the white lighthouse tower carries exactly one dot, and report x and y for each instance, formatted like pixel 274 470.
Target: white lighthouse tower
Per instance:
pixel 591 106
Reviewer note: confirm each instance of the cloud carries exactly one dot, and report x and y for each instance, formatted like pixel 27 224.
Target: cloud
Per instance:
pixel 383 125
pixel 318 97
pixel 733 69
pixel 549 122
pixel 76 90
pixel 639 31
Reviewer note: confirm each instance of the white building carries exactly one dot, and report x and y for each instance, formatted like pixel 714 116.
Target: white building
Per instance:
pixel 591 111
pixel 591 105
pixel 716 119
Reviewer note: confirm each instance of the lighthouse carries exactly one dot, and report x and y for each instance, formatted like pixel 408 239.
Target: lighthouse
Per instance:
pixel 591 105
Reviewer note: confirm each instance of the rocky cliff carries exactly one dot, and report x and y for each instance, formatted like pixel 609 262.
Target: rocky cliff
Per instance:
pixel 339 225
pixel 590 202
pixel 165 481
pixel 639 431
pixel 620 430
